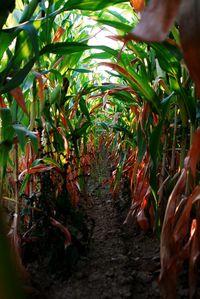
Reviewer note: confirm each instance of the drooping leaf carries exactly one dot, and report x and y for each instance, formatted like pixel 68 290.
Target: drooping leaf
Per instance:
pixel 136 80
pixel 7 37
pixel 89 4
pixel 84 108
pixel 64 229
pixel 23 134
pixel 77 133
pixel 115 24
pixel 63 48
pixel 18 78
pixel 7 131
pixel 156 21
pixel 19 97
pixel 167 60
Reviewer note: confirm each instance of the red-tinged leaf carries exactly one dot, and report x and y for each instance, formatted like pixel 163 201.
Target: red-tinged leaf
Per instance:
pixel 133 175
pixel 182 225
pixel 59 33
pixel 142 220
pixel 117 38
pixel 138 5
pixel 167 283
pixel 194 152
pixel 135 110
pixel 144 87
pixel 2 103
pixel 38 76
pixel 39 168
pixel 189 33
pixel 64 229
pixel 96 107
pixel 144 116
pixel 123 88
pixel 194 255
pixel 36 169
pixel 18 95
pixel 156 21
pixel 66 146
pixel 63 120
pixel 172 201
pixel 168 248
pixel 118 68
pixel 155 119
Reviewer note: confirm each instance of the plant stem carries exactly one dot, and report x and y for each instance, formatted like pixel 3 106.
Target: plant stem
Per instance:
pixel 172 165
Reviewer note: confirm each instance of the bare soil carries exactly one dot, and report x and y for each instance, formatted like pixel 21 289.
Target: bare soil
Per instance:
pixel 121 261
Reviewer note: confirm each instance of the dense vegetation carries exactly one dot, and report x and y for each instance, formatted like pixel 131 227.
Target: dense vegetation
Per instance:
pixel 56 109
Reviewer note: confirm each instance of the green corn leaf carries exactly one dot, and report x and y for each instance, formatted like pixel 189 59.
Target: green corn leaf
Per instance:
pixel 90 4
pixel 7 37
pixel 83 71
pixel 102 55
pixel 155 144
pixel 24 135
pixel 64 48
pixel 84 108
pixel 81 131
pixel 115 24
pixel 24 183
pixel 6 129
pixel 18 78
pixel 31 31
pixel 169 58
pixel 5 147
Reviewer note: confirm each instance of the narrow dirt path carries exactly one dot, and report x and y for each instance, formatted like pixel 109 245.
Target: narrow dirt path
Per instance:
pixel 112 268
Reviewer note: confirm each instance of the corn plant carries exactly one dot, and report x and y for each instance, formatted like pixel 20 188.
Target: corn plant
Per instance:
pixel 53 109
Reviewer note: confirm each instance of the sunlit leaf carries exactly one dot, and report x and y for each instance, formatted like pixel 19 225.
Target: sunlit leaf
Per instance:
pixel 89 4
pixel 138 5
pixel 59 33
